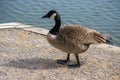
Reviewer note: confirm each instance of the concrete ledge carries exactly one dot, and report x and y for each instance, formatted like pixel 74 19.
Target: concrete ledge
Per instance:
pixel 26 55
pixel 24 27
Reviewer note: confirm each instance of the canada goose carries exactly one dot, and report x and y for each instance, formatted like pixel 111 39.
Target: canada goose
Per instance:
pixel 71 38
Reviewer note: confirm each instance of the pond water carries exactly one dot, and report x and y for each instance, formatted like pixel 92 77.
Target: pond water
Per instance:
pixel 101 15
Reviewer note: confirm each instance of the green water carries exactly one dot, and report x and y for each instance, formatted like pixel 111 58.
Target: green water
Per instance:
pixel 101 15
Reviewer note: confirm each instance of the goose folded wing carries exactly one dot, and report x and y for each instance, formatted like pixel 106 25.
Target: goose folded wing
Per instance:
pixel 81 35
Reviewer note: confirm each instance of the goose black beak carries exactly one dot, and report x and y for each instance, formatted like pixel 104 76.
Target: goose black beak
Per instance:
pixel 45 16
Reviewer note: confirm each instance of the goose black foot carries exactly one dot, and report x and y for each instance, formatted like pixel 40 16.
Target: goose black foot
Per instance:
pixel 64 61
pixel 73 65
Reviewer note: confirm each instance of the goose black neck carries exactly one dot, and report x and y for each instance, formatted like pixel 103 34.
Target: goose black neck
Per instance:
pixel 55 29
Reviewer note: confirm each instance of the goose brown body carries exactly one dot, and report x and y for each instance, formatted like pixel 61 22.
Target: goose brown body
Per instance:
pixel 75 39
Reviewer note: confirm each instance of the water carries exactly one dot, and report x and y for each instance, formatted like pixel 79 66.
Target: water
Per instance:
pixel 101 15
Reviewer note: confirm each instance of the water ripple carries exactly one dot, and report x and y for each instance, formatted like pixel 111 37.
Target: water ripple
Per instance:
pixel 102 15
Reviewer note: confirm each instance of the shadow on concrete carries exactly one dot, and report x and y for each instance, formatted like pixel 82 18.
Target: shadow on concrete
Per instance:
pixel 34 64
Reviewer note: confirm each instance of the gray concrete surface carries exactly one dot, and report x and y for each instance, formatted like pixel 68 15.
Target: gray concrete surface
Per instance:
pixel 26 55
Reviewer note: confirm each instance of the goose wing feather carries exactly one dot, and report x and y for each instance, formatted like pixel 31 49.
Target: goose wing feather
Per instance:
pixel 76 34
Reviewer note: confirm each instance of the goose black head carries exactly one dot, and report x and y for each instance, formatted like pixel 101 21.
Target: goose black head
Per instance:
pixel 51 14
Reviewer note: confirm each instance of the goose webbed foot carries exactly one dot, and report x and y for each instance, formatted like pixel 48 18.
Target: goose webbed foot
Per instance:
pixel 64 61
pixel 73 65
pixel 68 60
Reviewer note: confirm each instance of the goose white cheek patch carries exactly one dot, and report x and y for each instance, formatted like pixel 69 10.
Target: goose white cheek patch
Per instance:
pixel 53 16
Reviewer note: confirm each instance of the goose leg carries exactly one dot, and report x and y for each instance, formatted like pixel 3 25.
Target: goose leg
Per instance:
pixel 78 62
pixel 64 61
